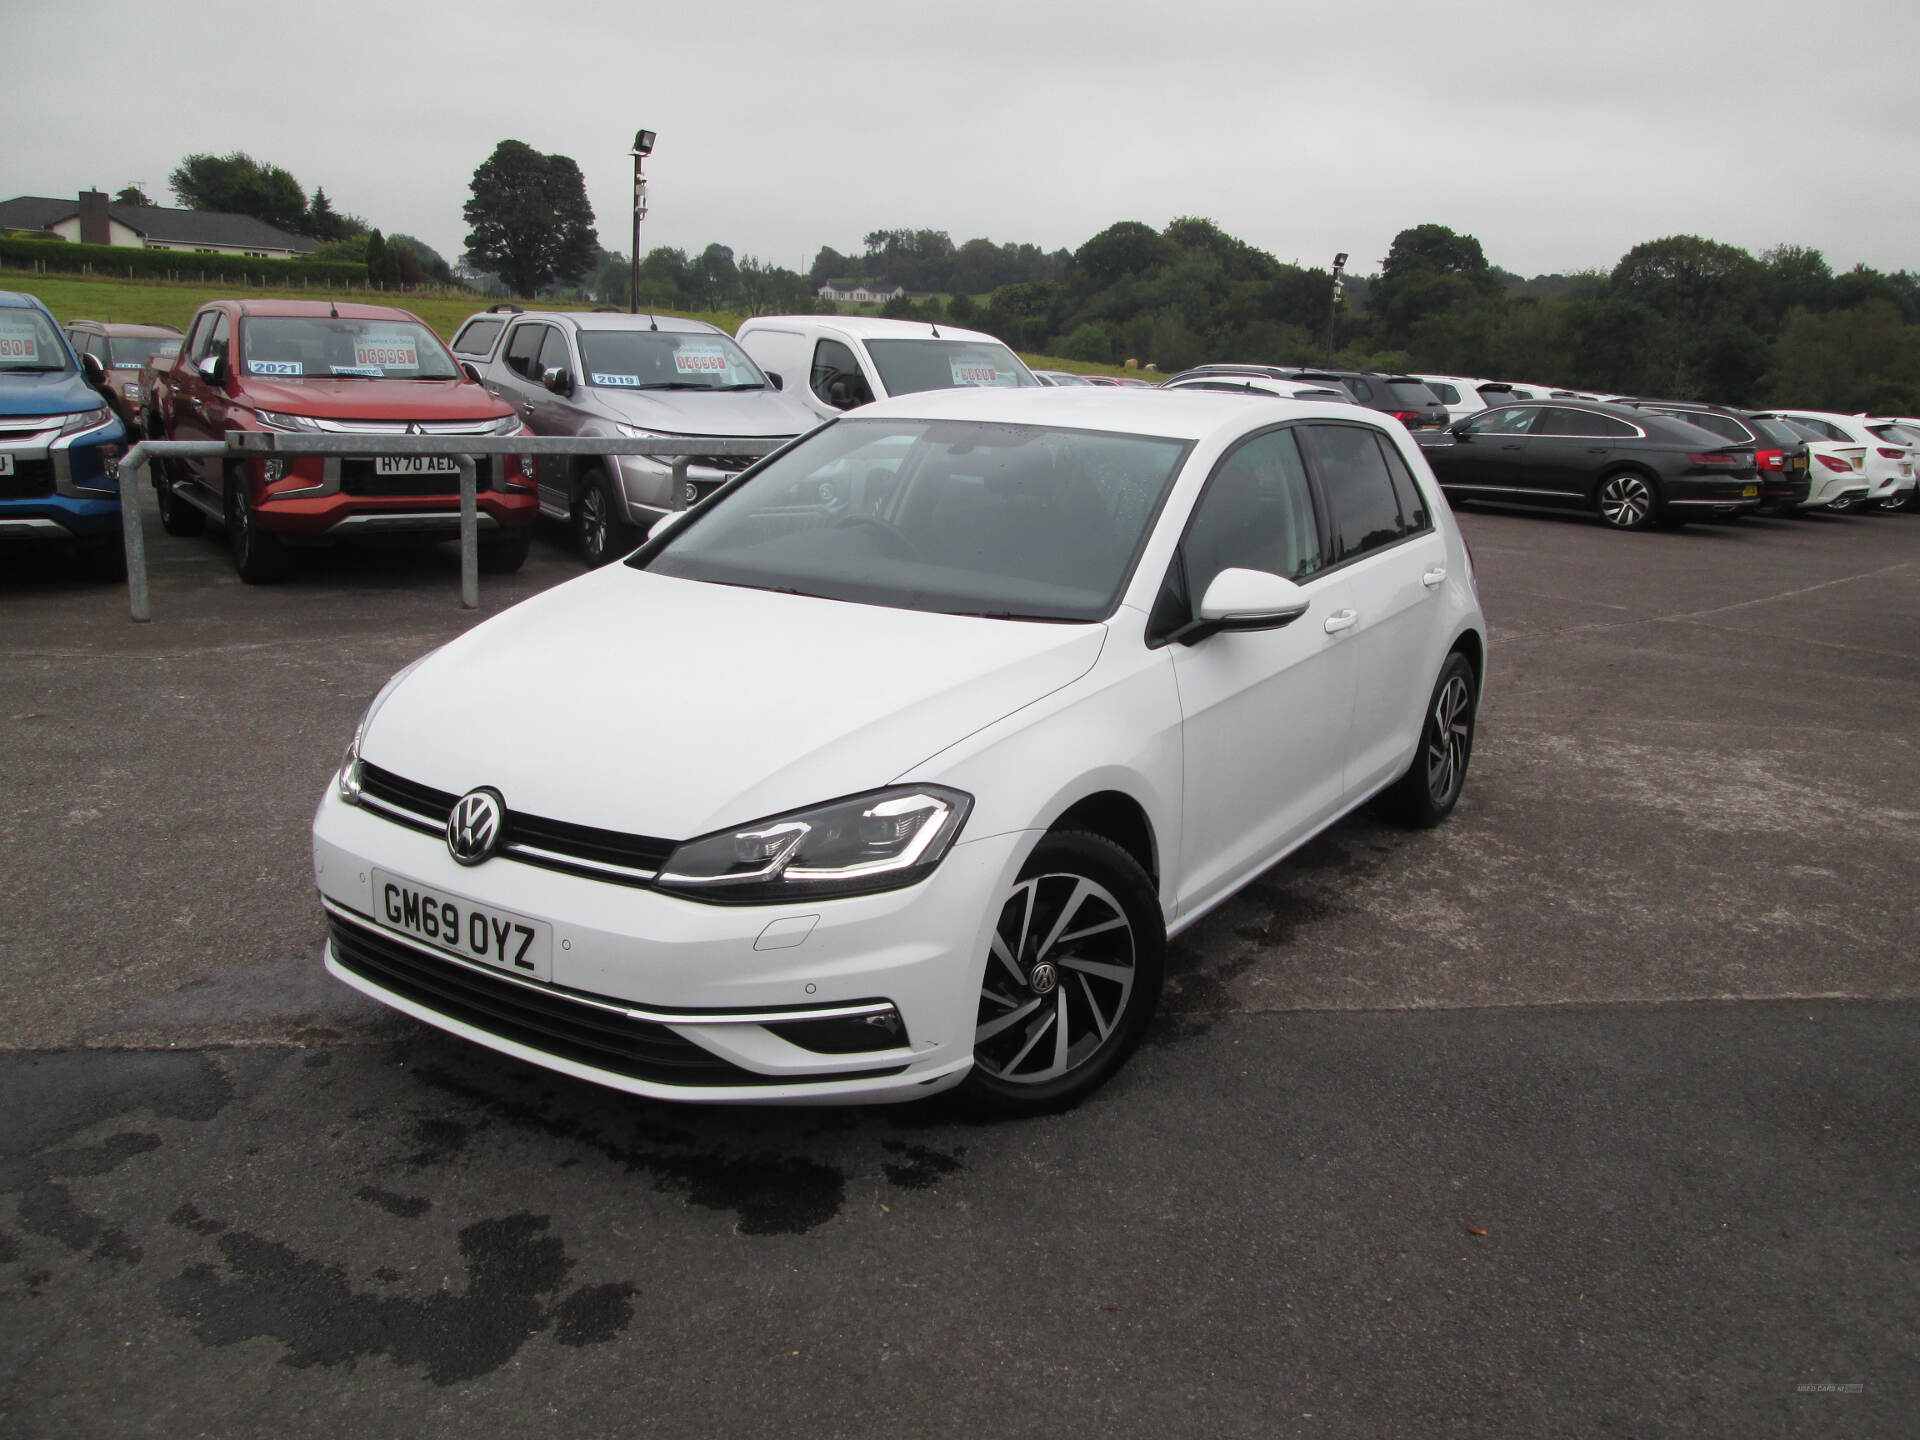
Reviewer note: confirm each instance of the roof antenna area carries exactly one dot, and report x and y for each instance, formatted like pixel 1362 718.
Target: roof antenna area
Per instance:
pixel 936 330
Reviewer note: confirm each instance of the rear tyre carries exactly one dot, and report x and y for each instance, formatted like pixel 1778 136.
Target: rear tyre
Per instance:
pixel 1627 500
pixel 505 555
pixel 1427 793
pixel 177 517
pixel 599 522
pixel 1071 980
pixel 259 558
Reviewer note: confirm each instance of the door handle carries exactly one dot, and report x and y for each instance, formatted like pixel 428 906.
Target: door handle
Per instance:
pixel 1434 576
pixel 1341 620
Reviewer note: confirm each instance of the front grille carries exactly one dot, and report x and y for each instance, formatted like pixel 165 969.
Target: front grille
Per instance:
pixel 530 839
pixel 29 481
pixel 550 1019
pixel 357 478
pixel 729 463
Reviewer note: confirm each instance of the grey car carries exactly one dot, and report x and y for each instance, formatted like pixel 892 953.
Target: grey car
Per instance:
pixel 604 374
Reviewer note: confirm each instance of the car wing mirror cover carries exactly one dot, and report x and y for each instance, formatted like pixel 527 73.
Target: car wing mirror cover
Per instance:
pixel 213 369
pixel 1239 599
pixel 91 367
pixel 773 378
pixel 557 379
pixel 665 523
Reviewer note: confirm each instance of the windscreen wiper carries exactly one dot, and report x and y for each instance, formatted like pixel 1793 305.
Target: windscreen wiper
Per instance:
pixel 674 385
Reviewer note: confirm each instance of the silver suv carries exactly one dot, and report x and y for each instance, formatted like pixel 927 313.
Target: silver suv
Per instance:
pixel 604 374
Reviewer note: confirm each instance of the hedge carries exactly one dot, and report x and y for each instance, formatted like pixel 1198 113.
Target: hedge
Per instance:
pixel 111 260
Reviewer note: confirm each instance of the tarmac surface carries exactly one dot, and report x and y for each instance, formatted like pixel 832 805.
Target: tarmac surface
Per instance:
pixel 1644 1012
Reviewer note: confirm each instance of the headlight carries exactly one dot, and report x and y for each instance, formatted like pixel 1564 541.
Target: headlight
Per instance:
pixel 347 781
pixel 274 420
pixel 635 432
pixel 85 420
pixel 879 841
pixel 509 425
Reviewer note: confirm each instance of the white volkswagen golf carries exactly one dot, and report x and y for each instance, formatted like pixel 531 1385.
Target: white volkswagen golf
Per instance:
pixel 895 763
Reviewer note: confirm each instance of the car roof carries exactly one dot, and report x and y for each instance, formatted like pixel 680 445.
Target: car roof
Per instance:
pixel 320 309
pixel 1168 414
pixel 604 320
pixel 874 327
pixel 123 327
pixel 19 300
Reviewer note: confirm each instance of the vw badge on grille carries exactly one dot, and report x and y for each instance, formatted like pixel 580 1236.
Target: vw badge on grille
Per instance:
pixel 473 829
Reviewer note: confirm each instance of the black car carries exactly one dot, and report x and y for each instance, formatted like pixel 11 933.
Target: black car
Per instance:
pixel 1406 399
pixel 1633 468
pixel 1780 455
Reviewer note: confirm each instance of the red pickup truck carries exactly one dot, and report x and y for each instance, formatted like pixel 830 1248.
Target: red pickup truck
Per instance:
pixel 314 367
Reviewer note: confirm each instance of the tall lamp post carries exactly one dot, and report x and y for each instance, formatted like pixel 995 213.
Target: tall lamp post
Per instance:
pixel 642 147
pixel 1333 297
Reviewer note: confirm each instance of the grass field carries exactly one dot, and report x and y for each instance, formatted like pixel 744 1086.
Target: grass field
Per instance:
pixel 172 302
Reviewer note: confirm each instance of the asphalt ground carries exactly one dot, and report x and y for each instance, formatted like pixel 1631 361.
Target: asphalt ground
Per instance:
pixel 1644 1012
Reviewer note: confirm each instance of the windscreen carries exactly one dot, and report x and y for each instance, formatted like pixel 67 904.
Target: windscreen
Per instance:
pixel 296 346
pixel 1016 522
pixel 28 341
pixel 130 352
pixel 908 366
pixel 666 360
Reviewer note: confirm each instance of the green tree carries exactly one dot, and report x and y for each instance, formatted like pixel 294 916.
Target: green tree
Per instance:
pixel 131 195
pixel 1429 269
pixel 379 262
pixel 323 222
pixel 1117 252
pixel 532 223
pixel 716 276
pixel 240 185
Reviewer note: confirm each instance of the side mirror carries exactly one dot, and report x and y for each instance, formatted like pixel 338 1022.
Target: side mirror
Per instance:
pixel 557 379
pixel 773 378
pixel 1458 429
pixel 213 370
pixel 1246 600
pixel 95 372
pixel 473 370
pixel 665 523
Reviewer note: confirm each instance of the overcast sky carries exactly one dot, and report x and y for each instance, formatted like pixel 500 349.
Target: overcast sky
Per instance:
pixel 1560 134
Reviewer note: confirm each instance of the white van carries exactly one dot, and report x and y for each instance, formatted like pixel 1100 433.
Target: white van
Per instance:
pixel 832 363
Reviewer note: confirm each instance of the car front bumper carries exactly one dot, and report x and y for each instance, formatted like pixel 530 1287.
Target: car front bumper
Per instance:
pixel 706 973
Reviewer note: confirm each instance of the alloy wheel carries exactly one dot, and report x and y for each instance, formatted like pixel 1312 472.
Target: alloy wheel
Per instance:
pixel 1626 502
pixel 1449 739
pixel 593 523
pixel 1058 982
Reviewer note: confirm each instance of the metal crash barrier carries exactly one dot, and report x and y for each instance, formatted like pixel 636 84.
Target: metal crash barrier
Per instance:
pixel 461 449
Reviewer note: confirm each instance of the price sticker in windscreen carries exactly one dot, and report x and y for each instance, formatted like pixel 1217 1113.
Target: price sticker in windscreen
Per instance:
pixel 972 370
pixel 19 344
pixel 700 360
pixel 390 350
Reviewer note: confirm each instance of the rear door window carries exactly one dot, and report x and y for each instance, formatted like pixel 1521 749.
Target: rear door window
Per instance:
pixel 1561 420
pixel 476 337
pixel 1363 511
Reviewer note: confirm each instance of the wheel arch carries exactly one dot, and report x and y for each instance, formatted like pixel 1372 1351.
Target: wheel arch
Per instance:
pixel 1115 815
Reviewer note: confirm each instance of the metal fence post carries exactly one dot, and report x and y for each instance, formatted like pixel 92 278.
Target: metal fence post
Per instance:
pixel 133 471
pixel 469 532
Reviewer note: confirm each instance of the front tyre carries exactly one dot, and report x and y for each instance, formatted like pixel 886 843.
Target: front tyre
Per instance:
pixel 1427 793
pixel 1628 501
pixel 600 521
pixel 1072 977
pixel 259 558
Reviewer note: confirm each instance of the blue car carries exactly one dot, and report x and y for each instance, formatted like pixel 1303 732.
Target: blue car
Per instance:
pixel 60 444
